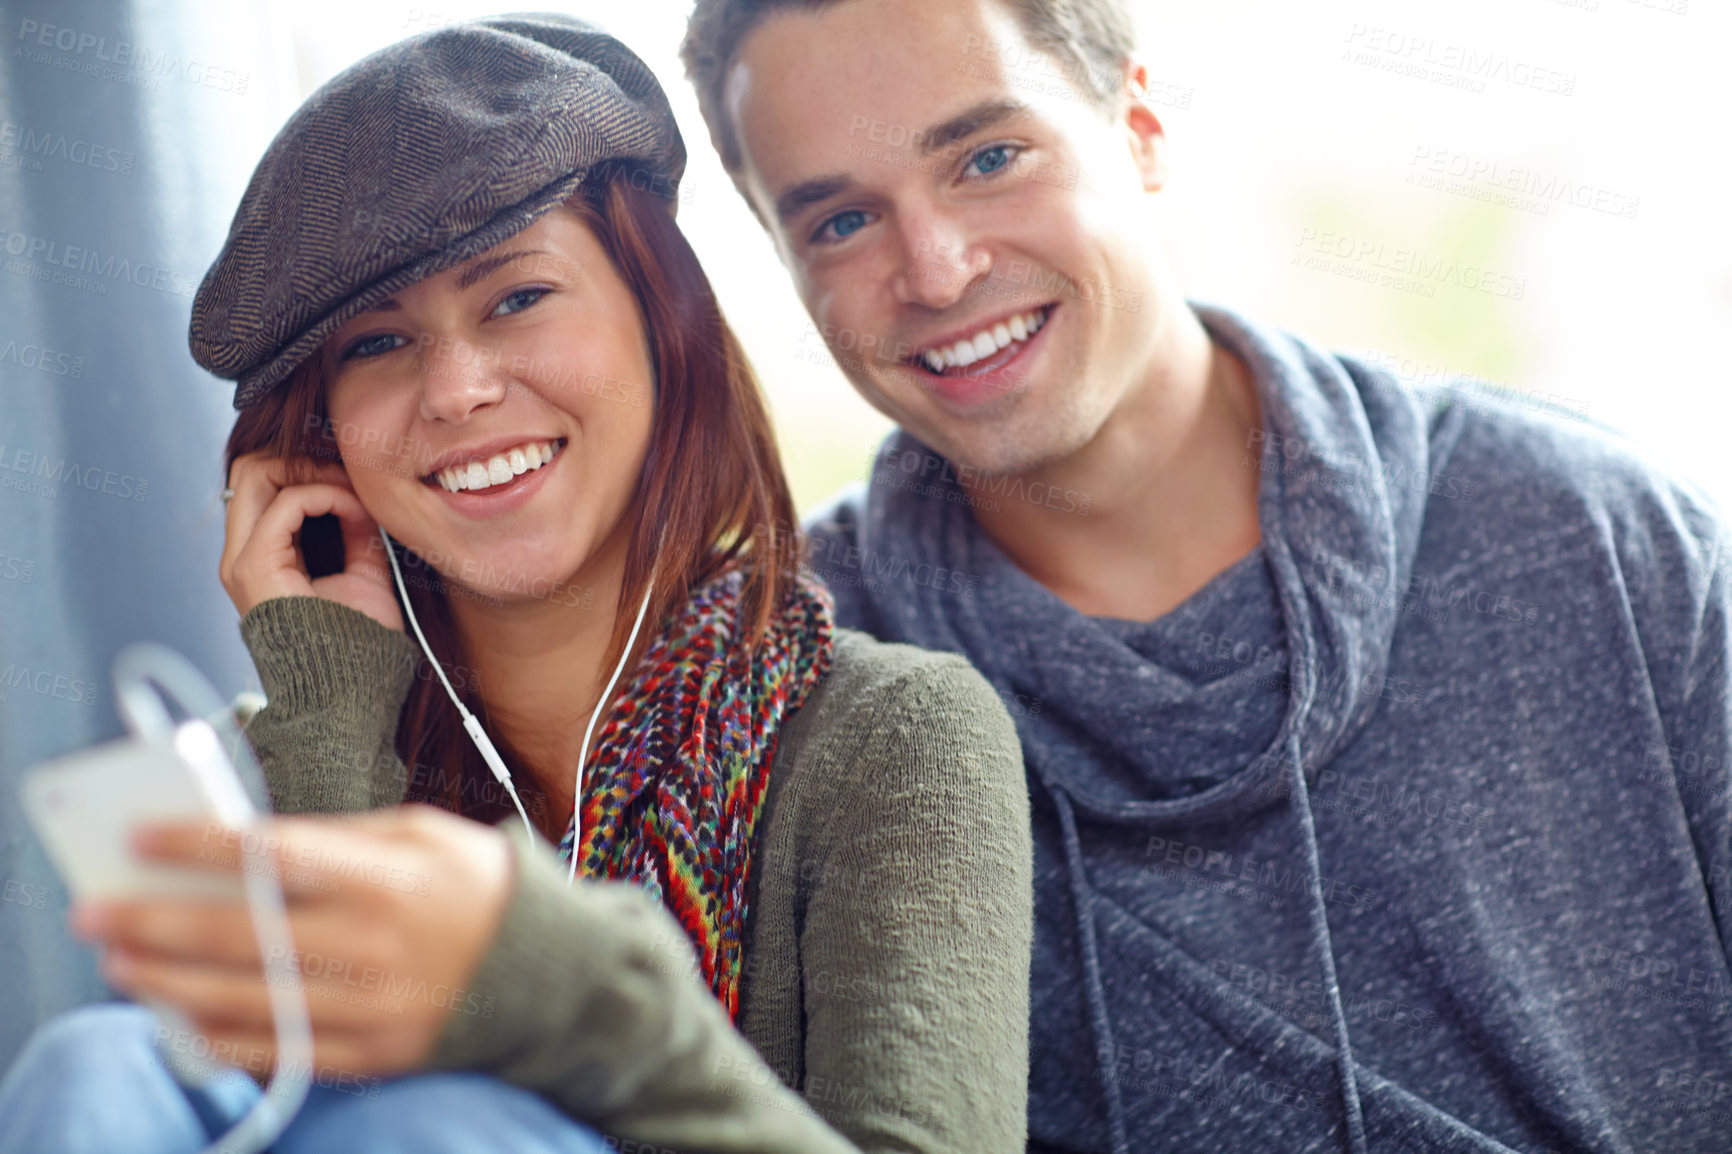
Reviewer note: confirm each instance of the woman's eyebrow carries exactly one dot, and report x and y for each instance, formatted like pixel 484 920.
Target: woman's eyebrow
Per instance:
pixel 482 267
pixel 472 273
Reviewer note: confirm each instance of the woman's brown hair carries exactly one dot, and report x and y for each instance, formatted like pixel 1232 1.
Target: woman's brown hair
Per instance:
pixel 711 492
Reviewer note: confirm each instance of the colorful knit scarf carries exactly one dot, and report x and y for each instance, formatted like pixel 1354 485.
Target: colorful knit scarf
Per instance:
pixel 677 778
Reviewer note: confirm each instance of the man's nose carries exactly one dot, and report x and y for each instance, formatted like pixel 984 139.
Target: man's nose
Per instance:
pixel 940 262
pixel 458 376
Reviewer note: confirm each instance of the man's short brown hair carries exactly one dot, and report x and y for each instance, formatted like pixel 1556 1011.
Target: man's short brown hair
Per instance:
pixel 1089 39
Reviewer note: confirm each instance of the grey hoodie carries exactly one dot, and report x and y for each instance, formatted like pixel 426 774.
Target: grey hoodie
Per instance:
pixel 1410 831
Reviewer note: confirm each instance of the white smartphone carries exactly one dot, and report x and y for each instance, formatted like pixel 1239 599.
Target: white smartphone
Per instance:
pixel 85 805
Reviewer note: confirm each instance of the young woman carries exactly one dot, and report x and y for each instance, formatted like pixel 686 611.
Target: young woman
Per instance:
pixel 458 309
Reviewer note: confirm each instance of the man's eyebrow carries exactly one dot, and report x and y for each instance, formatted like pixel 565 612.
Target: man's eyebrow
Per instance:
pixel 935 139
pixel 968 122
pixel 810 192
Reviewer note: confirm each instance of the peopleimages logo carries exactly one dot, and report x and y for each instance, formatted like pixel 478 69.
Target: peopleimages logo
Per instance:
pixel 978 482
pixel 46 683
pixel 1364 258
pixel 83 260
pixel 91 52
pixel 41 358
pixel 38 475
pixel 1514 186
pixel 28 142
pixel 1453 64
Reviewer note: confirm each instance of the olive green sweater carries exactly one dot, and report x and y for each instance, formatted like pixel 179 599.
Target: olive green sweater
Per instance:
pixel 884 1000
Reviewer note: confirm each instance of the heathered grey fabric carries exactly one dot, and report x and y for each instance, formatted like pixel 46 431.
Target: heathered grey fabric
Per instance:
pixel 1497 642
pixel 884 998
pixel 411 161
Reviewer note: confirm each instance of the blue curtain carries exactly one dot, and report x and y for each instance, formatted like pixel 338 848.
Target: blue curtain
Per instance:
pixel 127 132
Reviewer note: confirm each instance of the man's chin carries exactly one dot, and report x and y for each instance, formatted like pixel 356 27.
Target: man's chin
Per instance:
pixel 999 449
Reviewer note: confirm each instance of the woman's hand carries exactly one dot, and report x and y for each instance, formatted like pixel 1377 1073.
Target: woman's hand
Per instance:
pixel 391 912
pixel 261 552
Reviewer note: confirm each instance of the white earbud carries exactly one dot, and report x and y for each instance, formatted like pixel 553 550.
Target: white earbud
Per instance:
pixel 472 724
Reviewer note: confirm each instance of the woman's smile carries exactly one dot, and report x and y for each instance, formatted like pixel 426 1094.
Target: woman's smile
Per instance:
pixel 495 485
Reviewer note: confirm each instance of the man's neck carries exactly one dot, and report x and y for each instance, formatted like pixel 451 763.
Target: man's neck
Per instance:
pixel 1171 502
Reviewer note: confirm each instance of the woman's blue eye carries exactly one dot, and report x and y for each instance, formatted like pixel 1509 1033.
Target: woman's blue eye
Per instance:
pixel 525 297
pixel 990 160
pixel 374 345
pixel 843 224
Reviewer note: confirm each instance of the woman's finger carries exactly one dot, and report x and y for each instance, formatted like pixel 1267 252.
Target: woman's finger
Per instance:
pixel 275 529
pixel 270 564
pixel 215 931
pixel 342 856
pixel 252 1047
pixel 199 989
pixel 364 550
pixel 255 1051
pixel 315 856
pixel 239 998
pixel 262 556
pixel 211 845
pixel 348 1061
pixel 362 1020
pixel 256 480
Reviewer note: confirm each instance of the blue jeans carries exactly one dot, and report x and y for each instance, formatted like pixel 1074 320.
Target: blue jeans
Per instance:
pixel 92 1080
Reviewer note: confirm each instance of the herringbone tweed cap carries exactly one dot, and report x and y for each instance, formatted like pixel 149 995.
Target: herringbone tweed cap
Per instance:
pixel 414 160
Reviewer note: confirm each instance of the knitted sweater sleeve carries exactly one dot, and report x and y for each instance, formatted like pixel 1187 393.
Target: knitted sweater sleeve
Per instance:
pixel 914 947
pixel 334 682
pixel 917 923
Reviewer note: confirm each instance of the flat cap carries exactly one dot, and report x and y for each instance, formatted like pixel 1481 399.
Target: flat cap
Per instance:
pixel 414 160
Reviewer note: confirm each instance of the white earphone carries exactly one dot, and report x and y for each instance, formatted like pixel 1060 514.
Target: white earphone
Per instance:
pixel 478 735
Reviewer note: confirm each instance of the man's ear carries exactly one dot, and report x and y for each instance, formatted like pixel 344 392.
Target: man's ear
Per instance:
pixel 1148 140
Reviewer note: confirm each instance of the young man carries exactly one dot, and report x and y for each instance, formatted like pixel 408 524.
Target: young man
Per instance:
pixel 1376 741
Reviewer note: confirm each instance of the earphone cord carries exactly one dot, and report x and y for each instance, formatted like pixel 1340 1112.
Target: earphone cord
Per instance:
pixel 583 750
pixel 472 726
pixel 200 743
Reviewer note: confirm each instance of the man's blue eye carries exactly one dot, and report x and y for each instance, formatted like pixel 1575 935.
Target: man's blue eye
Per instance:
pixel 526 296
pixel 845 223
pixel 990 160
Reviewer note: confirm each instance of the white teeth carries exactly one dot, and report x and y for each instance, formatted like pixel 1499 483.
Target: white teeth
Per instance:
pixel 984 343
pixel 497 469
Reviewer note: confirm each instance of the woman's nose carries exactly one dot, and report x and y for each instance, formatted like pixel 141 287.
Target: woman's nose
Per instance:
pixel 458 376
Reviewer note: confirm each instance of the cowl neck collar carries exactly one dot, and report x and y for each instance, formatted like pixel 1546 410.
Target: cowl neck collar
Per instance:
pixel 1340 525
